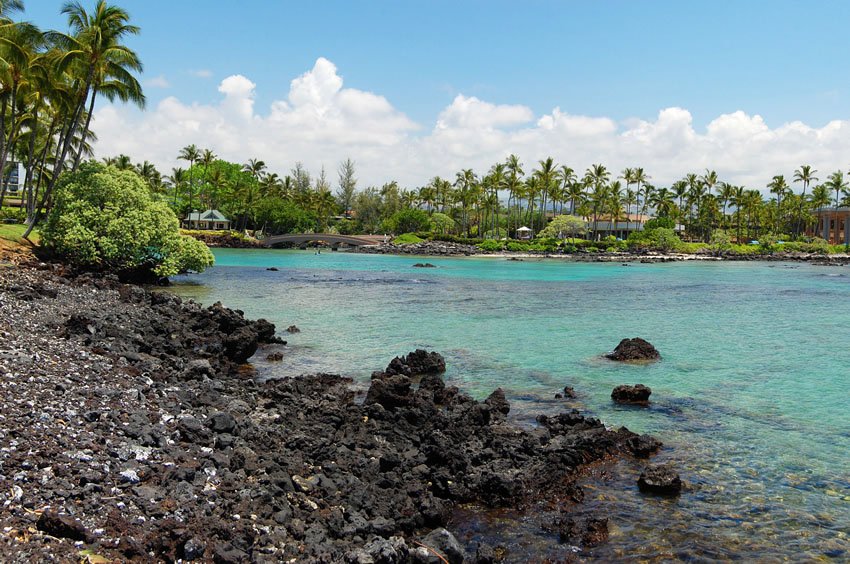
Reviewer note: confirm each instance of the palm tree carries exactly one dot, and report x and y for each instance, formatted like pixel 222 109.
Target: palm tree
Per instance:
pixel 640 178
pixel 547 173
pixel 178 177
pixel 190 153
pixel 778 186
pixel 103 64
pixel 806 175
pixel 738 200
pixel 726 191
pixel 597 178
pixel 513 180
pixel 836 183
pixel 568 177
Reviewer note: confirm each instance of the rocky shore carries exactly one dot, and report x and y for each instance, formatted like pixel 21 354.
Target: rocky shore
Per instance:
pixel 133 430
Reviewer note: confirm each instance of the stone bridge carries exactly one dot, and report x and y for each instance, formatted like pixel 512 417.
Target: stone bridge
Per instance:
pixel 302 239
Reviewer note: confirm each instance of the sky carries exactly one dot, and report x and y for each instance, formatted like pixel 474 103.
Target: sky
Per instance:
pixel 411 90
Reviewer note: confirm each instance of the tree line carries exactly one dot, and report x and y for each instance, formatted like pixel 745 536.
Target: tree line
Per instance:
pixel 489 205
pixel 50 82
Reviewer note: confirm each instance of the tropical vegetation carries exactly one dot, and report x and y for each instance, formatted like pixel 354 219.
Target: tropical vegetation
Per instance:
pixel 105 218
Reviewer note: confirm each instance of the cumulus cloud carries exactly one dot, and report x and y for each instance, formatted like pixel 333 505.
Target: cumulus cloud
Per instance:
pixel 321 122
pixel 157 82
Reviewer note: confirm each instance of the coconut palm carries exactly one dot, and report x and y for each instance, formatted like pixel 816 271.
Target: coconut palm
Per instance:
pixel 192 154
pixel 100 62
pixel 836 183
pixel 779 187
pixel 806 175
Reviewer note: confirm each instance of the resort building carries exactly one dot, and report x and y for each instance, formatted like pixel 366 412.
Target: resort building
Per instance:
pixel 623 227
pixel 832 224
pixel 210 219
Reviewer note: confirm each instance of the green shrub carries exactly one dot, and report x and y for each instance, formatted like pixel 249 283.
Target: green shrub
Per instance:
pixel 657 239
pixel 407 239
pixel 659 222
pixel 491 245
pixel 517 247
pixel 19 215
pixel 103 217
pixel 409 220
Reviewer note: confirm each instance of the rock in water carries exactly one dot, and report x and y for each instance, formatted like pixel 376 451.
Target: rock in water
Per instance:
pixel 661 480
pixel 636 395
pixel 293 329
pixel 417 363
pixel 424 265
pixel 630 350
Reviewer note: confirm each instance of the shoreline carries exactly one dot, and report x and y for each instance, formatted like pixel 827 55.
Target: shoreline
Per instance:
pixel 150 437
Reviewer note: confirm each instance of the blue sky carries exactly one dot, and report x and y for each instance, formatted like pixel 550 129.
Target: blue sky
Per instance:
pixel 624 60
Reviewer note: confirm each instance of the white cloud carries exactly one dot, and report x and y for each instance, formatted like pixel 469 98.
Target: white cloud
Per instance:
pixel 320 122
pixel 157 82
pixel 201 73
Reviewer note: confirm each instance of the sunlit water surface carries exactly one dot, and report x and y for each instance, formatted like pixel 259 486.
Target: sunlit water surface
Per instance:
pixel 751 397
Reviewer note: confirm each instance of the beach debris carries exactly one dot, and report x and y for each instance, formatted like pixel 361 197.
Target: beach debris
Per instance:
pixel 660 479
pixel 635 395
pixel 636 349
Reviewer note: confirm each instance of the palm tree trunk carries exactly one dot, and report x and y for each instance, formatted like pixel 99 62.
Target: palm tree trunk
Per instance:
pixel 85 130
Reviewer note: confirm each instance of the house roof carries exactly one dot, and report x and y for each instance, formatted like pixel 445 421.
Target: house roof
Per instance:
pixel 209 215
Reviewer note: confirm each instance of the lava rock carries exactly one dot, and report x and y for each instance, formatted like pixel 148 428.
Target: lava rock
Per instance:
pixel 643 446
pixel 637 349
pixel 293 329
pixel 424 265
pixel 241 344
pixel 62 526
pixel 416 363
pixel 660 480
pixel 275 357
pixel 634 395
pixel 446 544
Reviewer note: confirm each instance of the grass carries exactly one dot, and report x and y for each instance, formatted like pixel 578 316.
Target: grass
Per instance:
pixel 14 232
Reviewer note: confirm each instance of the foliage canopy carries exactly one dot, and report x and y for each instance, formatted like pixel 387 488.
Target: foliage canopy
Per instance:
pixel 103 217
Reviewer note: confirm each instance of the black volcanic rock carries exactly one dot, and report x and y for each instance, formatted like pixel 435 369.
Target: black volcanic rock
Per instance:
pixel 637 349
pixel 636 395
pixel 660 480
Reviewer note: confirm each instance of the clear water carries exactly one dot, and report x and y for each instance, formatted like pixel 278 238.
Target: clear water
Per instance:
pixel 752 397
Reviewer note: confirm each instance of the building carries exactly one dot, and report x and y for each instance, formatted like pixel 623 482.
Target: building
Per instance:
pixel 14 177
pixel 210 219
pixel 622 228
pixel 523 233
pixel 832 224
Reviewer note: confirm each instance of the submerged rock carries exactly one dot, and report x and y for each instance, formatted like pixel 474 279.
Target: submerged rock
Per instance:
pixel 636 349
pixel 635 395
pixel 293 329
pixel 424 265
pixel 660 480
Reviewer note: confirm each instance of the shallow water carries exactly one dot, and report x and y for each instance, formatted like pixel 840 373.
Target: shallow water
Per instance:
pixel 750 399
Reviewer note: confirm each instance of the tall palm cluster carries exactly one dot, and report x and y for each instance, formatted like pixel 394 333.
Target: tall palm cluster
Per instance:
pixel 700 203
pixel 243 191
pixel 50 82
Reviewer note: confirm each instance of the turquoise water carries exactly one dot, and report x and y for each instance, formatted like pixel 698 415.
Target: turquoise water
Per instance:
pixel 750 399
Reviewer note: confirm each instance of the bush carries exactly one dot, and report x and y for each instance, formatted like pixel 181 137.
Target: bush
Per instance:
pixel 659 222
pixel 19 215
pixel 517 247
pixel 720 240
pixel 408 220
pixel 103 217
pixel 407 239
pixel 491 246
pixel 658 239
